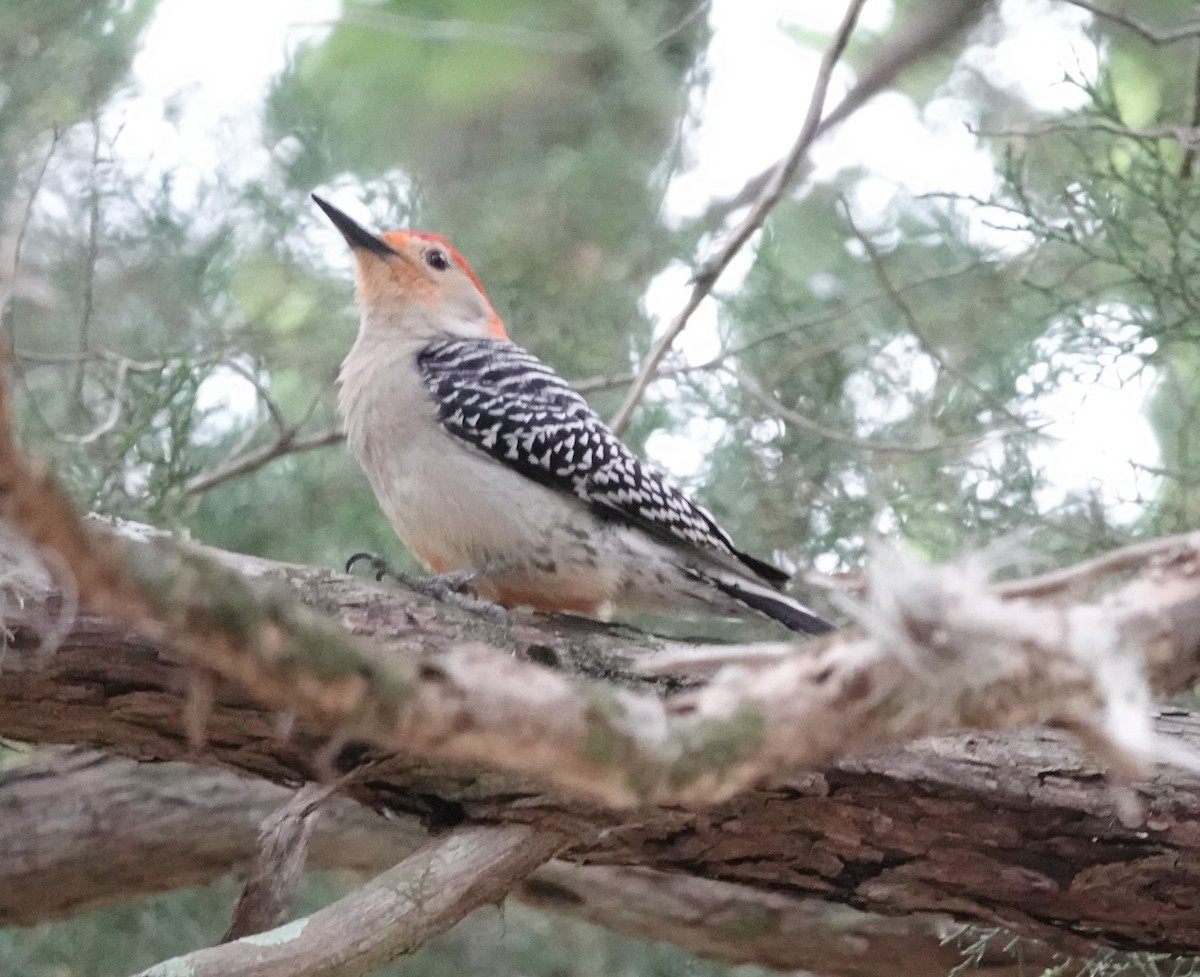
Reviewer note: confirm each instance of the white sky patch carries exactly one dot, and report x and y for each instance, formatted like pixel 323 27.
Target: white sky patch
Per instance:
pixel 664 296
pixel 888 391
pixel 687 447
pixel 1102 436
pixel 1043 44
pixel 226 401
pixel 914 153
pixel 203 69
pixel 1099 433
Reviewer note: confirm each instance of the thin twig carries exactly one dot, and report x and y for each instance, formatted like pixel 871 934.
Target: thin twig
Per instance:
pixel 33 357
pixel 684 22
pixel 707 274
pixel 288 443
pixel 826 315
pixel 249 375
pixel 1157 38
pixel 89 277
pixel 602 382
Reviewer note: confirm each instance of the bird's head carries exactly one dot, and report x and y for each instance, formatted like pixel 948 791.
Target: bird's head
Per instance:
pixel 415 284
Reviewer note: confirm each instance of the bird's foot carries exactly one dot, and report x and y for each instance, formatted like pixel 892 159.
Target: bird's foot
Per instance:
pixel 449 588
pixel 379 567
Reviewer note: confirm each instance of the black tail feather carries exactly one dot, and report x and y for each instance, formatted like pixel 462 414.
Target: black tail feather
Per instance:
pixel 791 614
pixel 768 571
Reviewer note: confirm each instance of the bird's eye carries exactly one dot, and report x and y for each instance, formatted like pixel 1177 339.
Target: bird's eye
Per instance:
pixel 436 259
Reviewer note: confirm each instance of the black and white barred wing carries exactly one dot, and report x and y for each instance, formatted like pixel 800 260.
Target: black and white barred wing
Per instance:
pixel 506 402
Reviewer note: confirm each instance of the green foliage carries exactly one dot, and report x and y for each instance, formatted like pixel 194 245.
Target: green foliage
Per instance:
pixel 60 60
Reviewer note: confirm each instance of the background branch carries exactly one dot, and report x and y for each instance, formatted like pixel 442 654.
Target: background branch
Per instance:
pixel 289 442
pixel 393 914
pixel 279 863
pixel 81 829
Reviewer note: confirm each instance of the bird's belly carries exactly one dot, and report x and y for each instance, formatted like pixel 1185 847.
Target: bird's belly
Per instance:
pixel 533 546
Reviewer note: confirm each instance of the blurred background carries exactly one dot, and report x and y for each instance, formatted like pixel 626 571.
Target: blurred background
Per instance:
pixel 972 323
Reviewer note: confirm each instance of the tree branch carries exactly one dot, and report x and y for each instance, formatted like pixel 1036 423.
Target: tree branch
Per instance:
pixel 279 863
pixel 944 653
pixel 79 829
pixel 72 822
pixel 707 274
pixel 736 924
pixel 1187 136
pixel 289 442
pixel 392 915
pixel 1017 830
pixel 859 442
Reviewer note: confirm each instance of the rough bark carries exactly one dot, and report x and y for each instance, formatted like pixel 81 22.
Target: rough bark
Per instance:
pixel 83 829
pixel 1016 829
pixel 393 914
pixel 279 863
pixel 737 924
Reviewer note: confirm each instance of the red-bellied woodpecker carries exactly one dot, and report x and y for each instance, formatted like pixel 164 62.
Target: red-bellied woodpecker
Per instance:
pixel 484 459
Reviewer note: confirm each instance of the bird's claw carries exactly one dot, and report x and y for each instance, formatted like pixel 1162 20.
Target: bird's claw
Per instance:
pixel 449 588
pixel 379 566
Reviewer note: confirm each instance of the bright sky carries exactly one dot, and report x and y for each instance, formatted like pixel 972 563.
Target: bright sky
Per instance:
pixel 184 98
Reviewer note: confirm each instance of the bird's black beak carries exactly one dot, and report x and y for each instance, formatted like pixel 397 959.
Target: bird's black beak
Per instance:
pixel 356 236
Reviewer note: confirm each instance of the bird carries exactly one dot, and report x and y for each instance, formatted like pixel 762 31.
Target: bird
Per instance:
pixel 490 465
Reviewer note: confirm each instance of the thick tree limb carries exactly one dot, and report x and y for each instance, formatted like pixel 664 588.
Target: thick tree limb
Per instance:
pixel 950 655
pixel 52 859
pixel 737 924
pixel 81 830
pixel 944 652
pixel 1016 829
pixel 426 894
